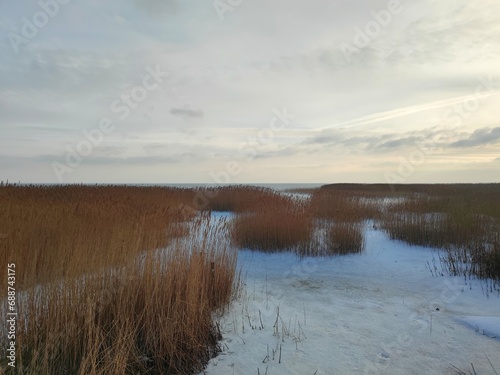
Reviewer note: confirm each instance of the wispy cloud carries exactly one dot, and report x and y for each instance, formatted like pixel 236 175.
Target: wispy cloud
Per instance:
pixel 358 115
pixel 480 137
pixel 371 141
pixel 407 111
pixel 186 112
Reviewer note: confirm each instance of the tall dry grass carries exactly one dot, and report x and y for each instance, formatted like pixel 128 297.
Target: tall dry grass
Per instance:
pixel 266 220
pixel 329 222
pixel 345 238
pixel 240 198
pixel 64 231
pixel 284 224
pixel 341 213
pixel 462 219
pixel 93 300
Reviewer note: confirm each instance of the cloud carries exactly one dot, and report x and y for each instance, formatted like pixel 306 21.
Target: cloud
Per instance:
pixel 480 137
pixel 375 142
pixel 399 143
pixel 381 104
pixel 131 160
pixel 406 111
pixel 186 112
pixel 158 7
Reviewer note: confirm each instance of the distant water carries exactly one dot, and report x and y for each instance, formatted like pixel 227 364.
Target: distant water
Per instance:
pixel 275 186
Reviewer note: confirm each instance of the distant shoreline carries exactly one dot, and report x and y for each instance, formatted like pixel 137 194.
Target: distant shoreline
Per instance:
pixel 275 186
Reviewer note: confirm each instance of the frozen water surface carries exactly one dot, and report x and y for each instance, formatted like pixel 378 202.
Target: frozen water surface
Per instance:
pixel 379 312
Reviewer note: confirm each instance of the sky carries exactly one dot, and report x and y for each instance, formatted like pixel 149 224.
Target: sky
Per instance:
pixel 240 91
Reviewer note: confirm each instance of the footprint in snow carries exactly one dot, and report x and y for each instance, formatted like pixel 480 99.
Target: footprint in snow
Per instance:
pixel 384 355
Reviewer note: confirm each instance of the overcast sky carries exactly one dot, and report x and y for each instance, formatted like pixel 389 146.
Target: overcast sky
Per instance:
pixel 250 91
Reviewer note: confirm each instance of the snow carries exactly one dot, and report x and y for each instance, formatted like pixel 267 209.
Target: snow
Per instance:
pixel 379 312
pixel 486 325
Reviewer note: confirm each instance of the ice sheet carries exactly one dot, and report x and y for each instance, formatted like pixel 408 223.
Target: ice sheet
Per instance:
pixel 379 312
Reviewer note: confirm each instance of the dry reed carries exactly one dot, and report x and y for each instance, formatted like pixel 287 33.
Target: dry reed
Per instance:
pixel 239 198
pixel 462 219
pixel 345 238
pixel 93 300
pixel 282 225
pixel 341 213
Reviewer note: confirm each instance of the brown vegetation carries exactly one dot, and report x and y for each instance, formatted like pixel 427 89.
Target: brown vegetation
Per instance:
pixel 92 299
pixel 65 231
pixel 275 226
pixel 240 198
pixel 462 219
pixel 342 214
pixel 123 280
pixel 346 238
pixel 329 222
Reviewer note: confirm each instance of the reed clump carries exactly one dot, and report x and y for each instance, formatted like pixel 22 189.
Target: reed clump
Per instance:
pixel 462 219
pixel 342 206
pixel 329 222
pixel 266 220
pixel 152 316
pixel 240 198
pixel 345 238
pixel 275 226
pixel 341 214
pixel 65 231
pixel 477 259
pixel 140 298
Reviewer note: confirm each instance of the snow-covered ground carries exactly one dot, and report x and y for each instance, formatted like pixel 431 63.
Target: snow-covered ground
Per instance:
pixel 379 312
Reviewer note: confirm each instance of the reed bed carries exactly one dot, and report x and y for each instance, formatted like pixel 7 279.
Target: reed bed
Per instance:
pixel 341 213
pixel 464 220
pixel 436 229
pixel 115 308
pixel 477 259
pixel 330 222
pixel 345 238
pixel 120 280
pixel 152 316
pixel 282 225
pixel 65 231
pixel 343 206
pixel 461 218
pixel 240 198
pixel 266 220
